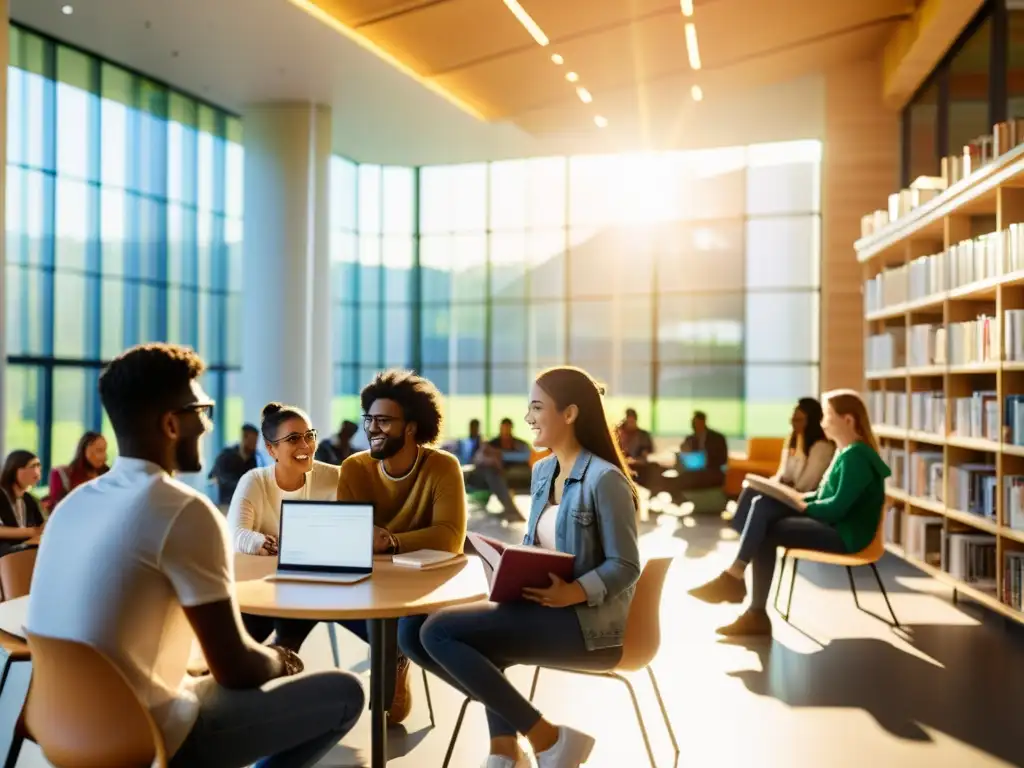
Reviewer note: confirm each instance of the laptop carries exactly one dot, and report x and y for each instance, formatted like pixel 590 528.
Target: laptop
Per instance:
pixel 325 541
pixel 693 461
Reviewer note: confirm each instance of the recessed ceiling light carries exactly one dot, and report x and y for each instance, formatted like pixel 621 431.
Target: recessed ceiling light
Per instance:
pixel 572 77
pixel 697 93
pixel 600 121
pixel 687 7
pixel 584 95
pixel 691 46
pixel 67 10
pixel 557 58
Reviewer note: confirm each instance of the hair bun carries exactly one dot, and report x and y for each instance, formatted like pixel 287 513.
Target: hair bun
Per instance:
pixel 271 408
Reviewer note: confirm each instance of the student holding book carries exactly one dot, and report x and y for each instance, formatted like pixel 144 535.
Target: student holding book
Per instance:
pixel 841 516
pixel 583 504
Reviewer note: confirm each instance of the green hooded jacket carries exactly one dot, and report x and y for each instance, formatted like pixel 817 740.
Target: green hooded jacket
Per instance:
pixel 851 496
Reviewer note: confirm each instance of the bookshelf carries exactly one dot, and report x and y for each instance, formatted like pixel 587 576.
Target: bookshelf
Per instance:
pixel 944 381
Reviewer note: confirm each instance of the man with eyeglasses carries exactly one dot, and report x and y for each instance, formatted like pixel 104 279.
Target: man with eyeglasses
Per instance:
pixel 137 564
pixel 418 492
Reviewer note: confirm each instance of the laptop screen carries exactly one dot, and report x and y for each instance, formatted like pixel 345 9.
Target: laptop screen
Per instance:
pixel 326 536
pixel 693 461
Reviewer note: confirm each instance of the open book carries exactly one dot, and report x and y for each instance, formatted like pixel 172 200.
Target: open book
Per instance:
pixel 511 568
pixel 788 496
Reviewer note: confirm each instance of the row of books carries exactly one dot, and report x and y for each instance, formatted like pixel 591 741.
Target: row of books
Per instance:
pixel 926 345
pixel 974 341
pixel 971 341
pixel 971 488
pixel 976 415
pixel 888 407
pixel 896 460
pixel 884 351
pixel 1013 340
pixel 1013 502
pixel 966 262
pixel 971 558
pixel 1013 580
pixel 1013 420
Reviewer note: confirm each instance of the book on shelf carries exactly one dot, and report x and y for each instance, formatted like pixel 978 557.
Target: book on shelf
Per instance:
pixel 922 537
pixel 511 568
pixel 896 460
pixel 972 488
pixel 928 412
pixel 924 470
pixel 977 416
pixel 769 487
pixel 923 343
pixel 1013 579
pixel 895 404
pixel 1013 341
pixel 1013 420
pixel 971 557
pixel 1013 501
pixel 974 341
pixel 885 351
pixel 977 259
pixel 892 523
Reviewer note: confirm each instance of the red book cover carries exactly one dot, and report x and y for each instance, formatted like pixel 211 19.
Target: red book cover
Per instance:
pixel 513 568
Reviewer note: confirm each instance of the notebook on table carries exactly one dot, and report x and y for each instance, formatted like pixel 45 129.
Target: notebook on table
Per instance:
pixel 325 541
pixel 426 559
pixel 511 568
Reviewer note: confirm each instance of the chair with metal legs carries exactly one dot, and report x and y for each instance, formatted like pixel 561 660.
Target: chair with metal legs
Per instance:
pixel 870 555
pixel 639 647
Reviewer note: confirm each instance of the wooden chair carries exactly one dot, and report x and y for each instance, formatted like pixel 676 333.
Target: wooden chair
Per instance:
pixel 639 647
pixel 16 573
pixel 870 555
pixel 82 712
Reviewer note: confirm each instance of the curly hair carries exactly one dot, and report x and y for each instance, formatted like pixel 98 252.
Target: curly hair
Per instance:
pixel 418 398
pixel 145 380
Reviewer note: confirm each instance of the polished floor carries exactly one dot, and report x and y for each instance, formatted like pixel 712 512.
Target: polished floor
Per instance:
pixel 833 688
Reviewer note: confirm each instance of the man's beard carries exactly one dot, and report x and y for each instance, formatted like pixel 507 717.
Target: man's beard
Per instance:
pixel 391 446
pixel 186 456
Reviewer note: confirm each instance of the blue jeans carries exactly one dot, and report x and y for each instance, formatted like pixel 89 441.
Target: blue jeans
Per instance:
pixel 471 646
pixel 767 524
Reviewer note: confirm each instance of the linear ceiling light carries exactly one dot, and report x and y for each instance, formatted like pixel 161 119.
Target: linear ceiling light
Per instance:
pixel 600 121
pixel 572 77
pixel 584 95
pixel 697 92
pixel 325 18
pixel 527 21
pixel 557 59
pixel 687 7
pixel 691 46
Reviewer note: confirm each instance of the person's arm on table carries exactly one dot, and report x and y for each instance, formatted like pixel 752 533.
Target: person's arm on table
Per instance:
pixel 242 520
pixel 447 529
pixel 195 559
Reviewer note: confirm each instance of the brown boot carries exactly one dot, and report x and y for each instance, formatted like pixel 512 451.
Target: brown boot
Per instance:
pixel 401 704
pixel 751 623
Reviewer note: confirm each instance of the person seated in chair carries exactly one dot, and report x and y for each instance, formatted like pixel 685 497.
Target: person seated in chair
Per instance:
pixel 21 514
pixel 716 452
pixel 488 472
pixel 842 516
pixel 137 565
pixel 636 445
pixel 417 492
pixel 806 456
pixel 515 457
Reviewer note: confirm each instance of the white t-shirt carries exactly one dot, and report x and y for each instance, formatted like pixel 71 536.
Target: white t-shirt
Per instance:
pixel 547 527
pixel 114 570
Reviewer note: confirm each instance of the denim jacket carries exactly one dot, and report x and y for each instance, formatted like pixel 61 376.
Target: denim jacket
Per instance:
pixel 596 523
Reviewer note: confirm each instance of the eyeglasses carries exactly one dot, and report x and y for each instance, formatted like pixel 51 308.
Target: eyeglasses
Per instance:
pixel 296 437
pixel 203 409
pixel 383 422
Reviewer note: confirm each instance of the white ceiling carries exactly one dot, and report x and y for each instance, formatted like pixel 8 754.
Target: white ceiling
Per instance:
pixel 235 52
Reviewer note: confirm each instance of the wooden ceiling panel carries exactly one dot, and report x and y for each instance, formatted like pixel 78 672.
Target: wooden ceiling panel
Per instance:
pixel 354 13
pixel 451 34
pixel 562 19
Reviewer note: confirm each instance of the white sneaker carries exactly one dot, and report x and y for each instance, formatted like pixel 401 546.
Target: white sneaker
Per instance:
pixel 500 761
pixel 570 751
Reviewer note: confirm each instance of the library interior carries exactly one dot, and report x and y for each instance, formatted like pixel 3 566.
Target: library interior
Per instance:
pixel 671 348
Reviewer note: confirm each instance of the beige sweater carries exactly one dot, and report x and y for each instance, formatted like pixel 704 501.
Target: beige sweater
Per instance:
pixel 256 504
pixel 804 472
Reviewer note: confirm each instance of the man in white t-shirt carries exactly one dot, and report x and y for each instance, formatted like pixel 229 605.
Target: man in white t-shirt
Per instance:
pixel 137 565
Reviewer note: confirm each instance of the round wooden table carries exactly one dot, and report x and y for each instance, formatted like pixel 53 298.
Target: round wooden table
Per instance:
pixel 391 593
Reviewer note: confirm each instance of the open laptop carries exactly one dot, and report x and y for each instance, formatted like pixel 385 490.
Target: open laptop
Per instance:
pixel 693 461
pixel 325 541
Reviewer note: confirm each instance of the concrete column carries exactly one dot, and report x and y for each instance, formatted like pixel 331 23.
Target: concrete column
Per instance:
pixel 286 323
pixel 4 58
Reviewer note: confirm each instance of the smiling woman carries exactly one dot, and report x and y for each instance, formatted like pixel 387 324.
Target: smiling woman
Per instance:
pixel 255 512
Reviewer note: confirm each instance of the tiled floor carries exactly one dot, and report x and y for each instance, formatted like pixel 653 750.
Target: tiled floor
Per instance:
pixel 835 688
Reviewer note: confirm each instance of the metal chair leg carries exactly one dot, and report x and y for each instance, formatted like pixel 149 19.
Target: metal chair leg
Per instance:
pixel 881 586
pixel 792 584
pixel 455 733
pixel 332 632
pixel 664 711
pixel 533 687
pixel 430 705
pixel 853 587
pixel 782 576
pixel 639 717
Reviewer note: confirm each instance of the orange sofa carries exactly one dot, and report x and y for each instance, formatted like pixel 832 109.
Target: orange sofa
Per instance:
pixel 761 458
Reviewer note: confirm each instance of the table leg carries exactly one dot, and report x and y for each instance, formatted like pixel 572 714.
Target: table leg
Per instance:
pixel 379 695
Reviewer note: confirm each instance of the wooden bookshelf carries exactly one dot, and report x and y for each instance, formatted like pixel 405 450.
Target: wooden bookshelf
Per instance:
pixel 989 201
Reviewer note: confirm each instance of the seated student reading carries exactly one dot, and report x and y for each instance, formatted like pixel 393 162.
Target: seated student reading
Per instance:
pixel 806 456
pixel 138 565
pixel 584 504
pixel 417 491
pixel 841 516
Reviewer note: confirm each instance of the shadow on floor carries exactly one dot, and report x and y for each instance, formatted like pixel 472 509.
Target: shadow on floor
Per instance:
pixel 903 692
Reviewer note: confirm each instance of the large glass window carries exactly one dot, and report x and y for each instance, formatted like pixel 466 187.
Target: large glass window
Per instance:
pixel 681 280
pixel 124 223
